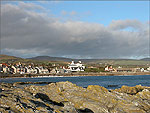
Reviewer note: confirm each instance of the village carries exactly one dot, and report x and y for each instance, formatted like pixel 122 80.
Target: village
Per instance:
pixel 21 68
pixel 120 69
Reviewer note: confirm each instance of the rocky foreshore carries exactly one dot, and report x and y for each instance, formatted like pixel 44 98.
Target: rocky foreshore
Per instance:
pixel 65 97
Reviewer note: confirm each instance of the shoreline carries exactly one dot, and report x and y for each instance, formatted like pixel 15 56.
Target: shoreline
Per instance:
pixel 73 74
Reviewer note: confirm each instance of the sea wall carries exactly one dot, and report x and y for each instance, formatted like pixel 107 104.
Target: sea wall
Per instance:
pixel 65 97
pixel 75 74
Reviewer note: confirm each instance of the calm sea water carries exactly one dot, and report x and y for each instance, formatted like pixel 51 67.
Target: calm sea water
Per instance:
pixel 110 82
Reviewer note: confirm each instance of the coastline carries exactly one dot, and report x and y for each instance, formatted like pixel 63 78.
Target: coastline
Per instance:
pixel 72 74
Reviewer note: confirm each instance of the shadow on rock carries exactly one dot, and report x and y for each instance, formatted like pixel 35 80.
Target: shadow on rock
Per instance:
pixel 45 98
pixel 40 104
pixel 85 111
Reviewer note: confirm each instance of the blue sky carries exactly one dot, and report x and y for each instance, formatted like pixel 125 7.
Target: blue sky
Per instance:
pixel 102 12
pixel 105 12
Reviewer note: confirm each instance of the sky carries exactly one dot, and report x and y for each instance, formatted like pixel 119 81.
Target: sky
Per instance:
pixel 75 29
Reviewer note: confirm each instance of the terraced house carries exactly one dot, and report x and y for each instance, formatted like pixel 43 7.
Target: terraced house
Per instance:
pixel 22 69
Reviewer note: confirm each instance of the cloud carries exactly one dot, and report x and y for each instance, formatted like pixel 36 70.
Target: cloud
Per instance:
pixel 63 12
pixel 73 13
pixel 30 6
pixel 122 24
pixel 28 33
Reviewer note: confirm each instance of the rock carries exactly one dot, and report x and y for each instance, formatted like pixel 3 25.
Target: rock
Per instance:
pixel 130 90
pixel 65 97
pixel 145 100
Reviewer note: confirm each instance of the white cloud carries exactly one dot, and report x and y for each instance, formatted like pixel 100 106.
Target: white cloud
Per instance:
pixel 122 24
pixel 29 33
pixel 30 6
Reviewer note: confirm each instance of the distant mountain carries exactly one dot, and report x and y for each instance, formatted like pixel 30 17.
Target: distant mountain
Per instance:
pixel 48 58
pixel 146 59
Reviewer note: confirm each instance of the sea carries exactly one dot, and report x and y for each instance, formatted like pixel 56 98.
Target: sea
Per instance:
pixel 109 82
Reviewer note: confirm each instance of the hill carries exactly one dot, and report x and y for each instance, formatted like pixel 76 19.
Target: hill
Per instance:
pixel 48 58
pixel 94 61
pixel 7 58
pixel 35 60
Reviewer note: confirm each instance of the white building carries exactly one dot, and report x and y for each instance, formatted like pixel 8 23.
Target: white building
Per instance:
pixel 148 69
pixel 106 68
pixel 75 67
pixel 41 70
pixel 110 68
pixel 14 69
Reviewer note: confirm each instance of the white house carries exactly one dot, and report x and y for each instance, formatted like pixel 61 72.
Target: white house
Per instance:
pixel 75 67
pixel 110 68
pixel 14 69
pixel 106 68
pixel 5 69
pixel 148 69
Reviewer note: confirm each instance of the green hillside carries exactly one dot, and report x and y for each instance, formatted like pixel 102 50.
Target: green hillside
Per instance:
pixel 61 60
